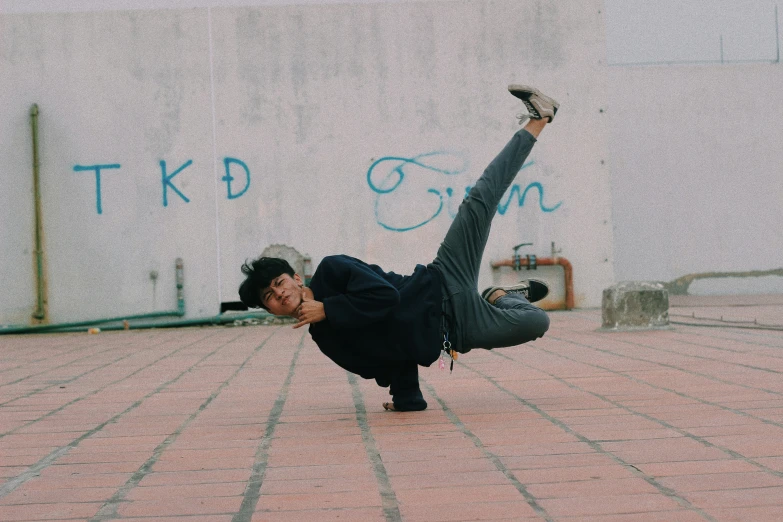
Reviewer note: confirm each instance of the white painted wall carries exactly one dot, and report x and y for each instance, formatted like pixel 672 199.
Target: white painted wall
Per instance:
pixel 698 184
pixel 129 89
pixel 307 98
pixel 311 113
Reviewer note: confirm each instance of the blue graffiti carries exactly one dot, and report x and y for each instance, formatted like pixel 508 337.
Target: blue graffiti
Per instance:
pixel 397 174
pixel 228 178
pixel 97 169
pixel 515 189
pixel 166 180
pixel 398 171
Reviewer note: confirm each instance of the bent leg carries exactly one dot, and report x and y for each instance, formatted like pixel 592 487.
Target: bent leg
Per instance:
pixel 533 321
pixel 512 320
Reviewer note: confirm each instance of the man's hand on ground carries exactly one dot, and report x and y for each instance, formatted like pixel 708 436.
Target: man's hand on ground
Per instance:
pixel 310 311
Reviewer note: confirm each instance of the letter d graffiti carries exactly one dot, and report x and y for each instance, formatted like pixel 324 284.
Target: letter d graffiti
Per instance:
pixel 228 178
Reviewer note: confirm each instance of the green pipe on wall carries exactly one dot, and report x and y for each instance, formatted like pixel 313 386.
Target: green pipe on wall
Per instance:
pixel 40 277
pixel 80 325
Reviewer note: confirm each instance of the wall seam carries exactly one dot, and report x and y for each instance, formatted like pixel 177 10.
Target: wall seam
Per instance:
pixel 214 153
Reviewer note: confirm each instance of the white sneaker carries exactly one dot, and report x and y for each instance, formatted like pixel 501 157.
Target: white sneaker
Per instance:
pixel 533 290
pixel 539 106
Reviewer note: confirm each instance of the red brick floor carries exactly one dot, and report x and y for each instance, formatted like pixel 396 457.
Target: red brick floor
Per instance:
pixel 253 423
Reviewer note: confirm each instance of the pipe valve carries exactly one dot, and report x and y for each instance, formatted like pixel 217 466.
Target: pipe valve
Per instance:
pixel 518 259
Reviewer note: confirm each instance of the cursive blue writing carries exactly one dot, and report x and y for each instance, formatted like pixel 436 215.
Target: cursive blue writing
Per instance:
pixel 400 168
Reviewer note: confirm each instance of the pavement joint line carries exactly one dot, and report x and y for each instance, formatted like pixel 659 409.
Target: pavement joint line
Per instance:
pixel 725 325
pixel 35 470
pixel 666 491
pixel 724 349
pixel 78 399
pixel 60 383
pixel 745 336
pixel 30 376
pixel 739 333
pixel 740 352
pixel 679 334
pixel 496 461
pixel 61 354
pixel 691 343
pixel 744 333
pixel 669 390
pixel 674 367
pixel 701 440
pixel 252 492
pixel 108 511
pixel 729 363
pixel 391 507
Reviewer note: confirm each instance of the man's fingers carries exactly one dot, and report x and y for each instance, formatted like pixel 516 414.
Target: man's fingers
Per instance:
pixel 302 321
pixel 309 312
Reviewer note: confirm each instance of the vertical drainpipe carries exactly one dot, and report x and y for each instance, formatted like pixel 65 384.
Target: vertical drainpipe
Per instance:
pixel 40 314
pixel 180 277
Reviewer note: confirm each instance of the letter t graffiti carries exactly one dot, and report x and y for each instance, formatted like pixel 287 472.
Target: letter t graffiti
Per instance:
pixel 97 169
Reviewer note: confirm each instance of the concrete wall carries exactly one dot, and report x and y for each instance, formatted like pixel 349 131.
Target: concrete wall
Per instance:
pixel 121 89
pixel 697 183
pixel 262 125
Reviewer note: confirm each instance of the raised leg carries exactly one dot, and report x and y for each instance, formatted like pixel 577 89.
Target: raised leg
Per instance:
pixel 459 255
pixel 511 319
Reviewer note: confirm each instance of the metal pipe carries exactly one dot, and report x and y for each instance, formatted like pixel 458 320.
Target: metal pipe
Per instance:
pixel 680 285
pixel 547 261
pixel 179 312
pixel 40 277
pixel 179 274
pixel 80 327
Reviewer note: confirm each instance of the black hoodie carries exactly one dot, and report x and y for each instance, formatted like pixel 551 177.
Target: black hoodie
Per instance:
pixel 379 325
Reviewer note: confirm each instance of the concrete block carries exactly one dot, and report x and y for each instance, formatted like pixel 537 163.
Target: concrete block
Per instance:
pixel 290 254
pixel 634 305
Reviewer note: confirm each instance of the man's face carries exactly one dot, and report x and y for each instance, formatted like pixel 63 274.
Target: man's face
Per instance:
pixel 283 295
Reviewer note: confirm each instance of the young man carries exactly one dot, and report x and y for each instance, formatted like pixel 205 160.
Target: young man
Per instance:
pixel 381 325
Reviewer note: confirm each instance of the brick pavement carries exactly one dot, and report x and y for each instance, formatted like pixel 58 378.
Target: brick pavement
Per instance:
pixel 254 424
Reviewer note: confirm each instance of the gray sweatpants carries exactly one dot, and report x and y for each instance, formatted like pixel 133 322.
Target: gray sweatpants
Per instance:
pixel 470 321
